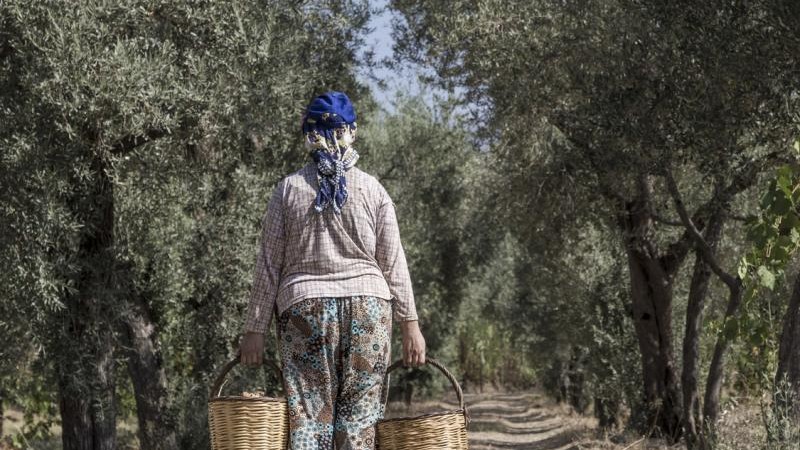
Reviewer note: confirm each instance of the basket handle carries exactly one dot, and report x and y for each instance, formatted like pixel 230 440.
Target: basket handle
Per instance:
pixel 219 382
pixel 438 365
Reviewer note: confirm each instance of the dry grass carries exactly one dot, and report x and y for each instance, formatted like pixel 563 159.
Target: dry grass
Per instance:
pixel 741 425
pixel 126 434
pixel 523 420
pixel 531 421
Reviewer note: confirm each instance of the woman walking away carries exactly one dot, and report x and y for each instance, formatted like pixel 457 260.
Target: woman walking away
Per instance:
pixel 332 270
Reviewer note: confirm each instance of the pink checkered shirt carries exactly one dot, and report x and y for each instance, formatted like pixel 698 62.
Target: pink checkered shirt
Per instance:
pixel 305 254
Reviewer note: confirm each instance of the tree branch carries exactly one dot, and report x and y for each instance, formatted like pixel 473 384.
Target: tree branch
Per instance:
pixel 747 176
pixel 129 143
pixel 702 246
pixel 660 219
pixel 678 250
pixel 739 218
pixel 602 186
pixel 6 50
pixel 387 174
pixel 741 181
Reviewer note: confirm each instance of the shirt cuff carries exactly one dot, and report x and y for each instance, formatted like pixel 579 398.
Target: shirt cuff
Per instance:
pixel 397 317
pixel 410 319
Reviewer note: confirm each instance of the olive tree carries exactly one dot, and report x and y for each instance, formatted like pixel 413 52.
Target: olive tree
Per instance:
pixel 586 104
pixel 111 110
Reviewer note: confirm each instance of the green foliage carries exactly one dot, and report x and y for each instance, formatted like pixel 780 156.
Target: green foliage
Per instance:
pixel 612 366
pixel 191 109
pixel 774 232
pixel 774 237
pixel 492 346
pixel 581 104
pixel 31 392
pixel 423 160
pixel 779 418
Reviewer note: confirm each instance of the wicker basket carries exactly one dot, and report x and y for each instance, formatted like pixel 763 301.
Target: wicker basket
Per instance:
pixel 437 431
pixel 246 423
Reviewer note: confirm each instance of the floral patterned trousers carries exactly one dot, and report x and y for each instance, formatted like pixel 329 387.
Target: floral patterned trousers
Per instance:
pixel 334 353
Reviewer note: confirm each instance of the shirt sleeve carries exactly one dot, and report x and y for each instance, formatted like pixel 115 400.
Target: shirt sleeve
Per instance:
pixel 269 262
pixel 392 260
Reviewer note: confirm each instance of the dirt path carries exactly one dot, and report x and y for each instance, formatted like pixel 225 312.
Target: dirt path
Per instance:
pixel 512 421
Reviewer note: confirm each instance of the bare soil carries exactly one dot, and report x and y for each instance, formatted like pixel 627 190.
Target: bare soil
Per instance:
pixel 503 420
pixel 525 420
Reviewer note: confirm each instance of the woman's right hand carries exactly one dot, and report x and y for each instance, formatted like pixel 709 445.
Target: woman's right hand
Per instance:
pixel 251 348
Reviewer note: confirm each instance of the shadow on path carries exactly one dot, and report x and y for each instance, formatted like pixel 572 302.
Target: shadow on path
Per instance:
pixel 508 421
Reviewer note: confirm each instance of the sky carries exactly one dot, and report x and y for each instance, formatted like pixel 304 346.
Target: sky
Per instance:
pixel 380 42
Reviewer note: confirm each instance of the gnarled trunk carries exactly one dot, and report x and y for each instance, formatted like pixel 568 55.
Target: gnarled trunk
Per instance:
pixel 651 297
pixel 716 369
pixel 88 414
pixel 85 344
pixel 698 290
pixel 2 411
pixel 787 376
pixel 157 424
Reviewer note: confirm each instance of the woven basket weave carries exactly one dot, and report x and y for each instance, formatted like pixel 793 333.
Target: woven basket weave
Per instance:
pixel 246 423
pixel 437 431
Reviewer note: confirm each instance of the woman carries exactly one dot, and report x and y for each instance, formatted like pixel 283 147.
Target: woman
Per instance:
pixel 333 271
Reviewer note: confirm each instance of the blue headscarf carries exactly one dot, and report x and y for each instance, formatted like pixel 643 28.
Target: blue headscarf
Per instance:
pixel 329 126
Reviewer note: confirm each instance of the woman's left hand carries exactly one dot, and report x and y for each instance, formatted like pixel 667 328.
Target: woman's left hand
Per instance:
pixel 413 344
pixel 251 348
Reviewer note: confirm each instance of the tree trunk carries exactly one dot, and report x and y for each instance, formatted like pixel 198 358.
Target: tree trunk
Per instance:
pixel 75 418
pixel 88 419
pixel 157 425
pixel 651 296
pixel 2 412
pixel 788 374
pixel 715 371
pixel 463 361
pixel 84 347
pixel 693 421
pixel 607 411
pixel 698 290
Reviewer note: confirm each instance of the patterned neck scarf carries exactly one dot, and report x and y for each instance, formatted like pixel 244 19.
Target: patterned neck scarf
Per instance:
pixel 329 125
pixel 334 154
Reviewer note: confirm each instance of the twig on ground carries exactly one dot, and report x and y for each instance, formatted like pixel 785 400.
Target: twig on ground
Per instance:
pixel 631 446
